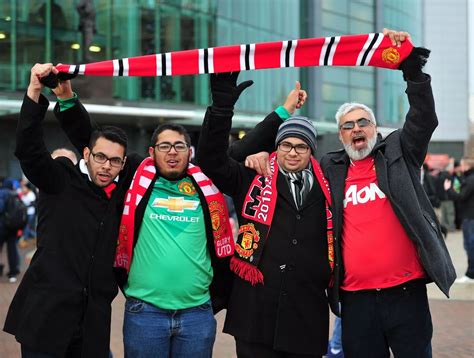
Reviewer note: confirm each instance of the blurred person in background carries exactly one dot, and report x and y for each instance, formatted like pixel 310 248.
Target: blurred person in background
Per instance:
pixel 465 198
pixel 447 213
pixel 28 197
pixel 457 179
pixel 64 152
pixel 8 236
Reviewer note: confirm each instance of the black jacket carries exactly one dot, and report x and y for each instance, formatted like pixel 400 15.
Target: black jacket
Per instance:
pixel 79 129
pixel 289 312
pixel 466 197
pixel 398 159
pixel 70 283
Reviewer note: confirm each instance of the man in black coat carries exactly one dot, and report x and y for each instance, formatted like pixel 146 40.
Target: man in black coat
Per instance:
pixel 465 199
pixel 282 264
pixel 62 306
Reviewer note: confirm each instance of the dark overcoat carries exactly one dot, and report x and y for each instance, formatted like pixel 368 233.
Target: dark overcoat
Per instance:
pixel 289 312
pixel 69 285
pixel 398 159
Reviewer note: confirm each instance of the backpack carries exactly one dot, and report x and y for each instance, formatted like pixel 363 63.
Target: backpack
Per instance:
pixel 15 217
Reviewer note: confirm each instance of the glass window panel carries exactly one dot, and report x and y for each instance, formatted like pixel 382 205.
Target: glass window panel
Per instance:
pixel 362 12
pixel 335 75
pixel 339 6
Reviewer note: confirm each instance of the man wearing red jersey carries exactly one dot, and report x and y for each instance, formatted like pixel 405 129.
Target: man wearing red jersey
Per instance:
pixel 388 242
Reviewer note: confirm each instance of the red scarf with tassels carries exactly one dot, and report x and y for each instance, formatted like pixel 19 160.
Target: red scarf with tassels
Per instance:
pixel 258 208
pixel 221 229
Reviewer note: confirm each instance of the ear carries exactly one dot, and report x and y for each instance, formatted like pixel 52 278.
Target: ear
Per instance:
pixel 191 153
pixel 151 151
pixel 124 161
pixel 86 153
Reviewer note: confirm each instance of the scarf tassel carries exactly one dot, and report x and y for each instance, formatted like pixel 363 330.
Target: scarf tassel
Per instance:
pixel 246 271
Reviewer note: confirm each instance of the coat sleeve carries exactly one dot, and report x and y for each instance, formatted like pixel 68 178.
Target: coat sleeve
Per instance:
pixel 259 139
pixel 212 156
pixel 76 124
pixel 420 122
pixel 466 193
pixel 44 172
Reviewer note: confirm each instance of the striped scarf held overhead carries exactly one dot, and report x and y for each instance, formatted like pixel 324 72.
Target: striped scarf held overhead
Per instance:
pixel 372 49
pixel 144 175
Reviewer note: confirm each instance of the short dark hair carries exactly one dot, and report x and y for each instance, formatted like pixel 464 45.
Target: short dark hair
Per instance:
pixel 172 127
pixel 112 133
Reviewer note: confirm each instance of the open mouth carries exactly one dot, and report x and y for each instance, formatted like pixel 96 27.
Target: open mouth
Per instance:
pixel 172 163
pixel 103 177
pixel 359 142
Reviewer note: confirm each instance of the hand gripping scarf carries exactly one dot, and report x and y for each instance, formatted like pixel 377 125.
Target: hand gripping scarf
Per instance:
pixel 350 50
pixel 221 230
pixel 258 209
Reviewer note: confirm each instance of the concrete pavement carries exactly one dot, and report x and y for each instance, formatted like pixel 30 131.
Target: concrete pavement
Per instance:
pixel 453 318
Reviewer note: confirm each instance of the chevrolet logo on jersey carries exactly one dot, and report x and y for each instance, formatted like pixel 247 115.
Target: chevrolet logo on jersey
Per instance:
pixel 175 204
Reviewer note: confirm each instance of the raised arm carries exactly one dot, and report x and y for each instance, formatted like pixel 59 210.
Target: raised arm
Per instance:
pixel 212 154
pixel 262 137
pixel 421 119
pixel 72 116
pixel 45 173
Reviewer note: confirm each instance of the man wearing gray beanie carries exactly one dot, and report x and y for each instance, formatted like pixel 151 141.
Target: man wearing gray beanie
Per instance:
pixel 283 253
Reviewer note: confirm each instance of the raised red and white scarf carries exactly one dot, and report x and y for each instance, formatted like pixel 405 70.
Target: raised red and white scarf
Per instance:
pixel 144 175
pixel 372 49
pixel 257 212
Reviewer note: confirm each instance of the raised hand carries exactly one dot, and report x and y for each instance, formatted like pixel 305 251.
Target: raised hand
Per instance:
pixel 296 98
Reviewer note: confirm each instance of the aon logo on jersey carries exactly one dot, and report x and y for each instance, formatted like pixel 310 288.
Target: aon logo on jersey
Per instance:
pixel 364 195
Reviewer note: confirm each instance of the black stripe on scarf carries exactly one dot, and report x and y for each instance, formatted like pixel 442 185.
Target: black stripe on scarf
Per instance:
pixel 287 54
pixel 120 71
pixel 206 59
pixel 247 57
pixel 328 51
pixel 163 64
pixel 366 53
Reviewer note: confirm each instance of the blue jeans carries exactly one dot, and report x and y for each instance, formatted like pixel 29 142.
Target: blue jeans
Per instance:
pixel 29 231
pixel 336 340
pixel 468 235
pixel 151 332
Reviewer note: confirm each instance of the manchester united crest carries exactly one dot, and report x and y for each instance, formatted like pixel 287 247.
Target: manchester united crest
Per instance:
pixel 217 213
pixel 187 188
pixel 247 241
pixel 391 55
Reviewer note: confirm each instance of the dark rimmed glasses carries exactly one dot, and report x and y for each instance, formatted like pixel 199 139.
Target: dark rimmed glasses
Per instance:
pixel 166 146
pixel 101 158
pixel 361 122
pixel 299 148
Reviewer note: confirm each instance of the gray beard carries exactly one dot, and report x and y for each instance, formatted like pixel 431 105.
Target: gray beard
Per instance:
pixel 362 153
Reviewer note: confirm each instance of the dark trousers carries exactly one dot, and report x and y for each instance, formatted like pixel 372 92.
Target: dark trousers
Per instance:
pixel 397 318
pixel 468 236
pixel 74 349
pixel 9 238
pixel 254 350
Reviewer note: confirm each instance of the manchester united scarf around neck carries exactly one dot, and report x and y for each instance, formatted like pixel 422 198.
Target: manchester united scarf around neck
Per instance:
pixel 257 216
pixel 143 178
pixel 372 49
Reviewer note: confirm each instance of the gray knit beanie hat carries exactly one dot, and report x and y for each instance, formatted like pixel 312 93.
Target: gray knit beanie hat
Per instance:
pixel 299 127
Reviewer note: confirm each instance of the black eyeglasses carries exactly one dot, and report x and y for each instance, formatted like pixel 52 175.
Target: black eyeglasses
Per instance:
pixel 361 122
pixel 166 146
pixel 299 148
pixel 101 158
